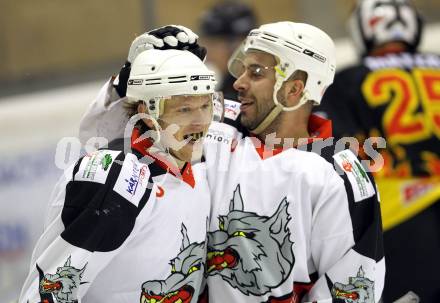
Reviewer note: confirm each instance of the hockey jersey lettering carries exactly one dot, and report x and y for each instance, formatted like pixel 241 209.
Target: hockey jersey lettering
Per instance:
pixel 392 97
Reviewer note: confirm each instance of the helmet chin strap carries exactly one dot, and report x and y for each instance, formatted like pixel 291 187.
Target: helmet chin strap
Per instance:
pixel 278 108
pixel 157 127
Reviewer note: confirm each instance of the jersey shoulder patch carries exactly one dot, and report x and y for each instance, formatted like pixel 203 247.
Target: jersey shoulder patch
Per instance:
pixel 95 167
pixel 232 109
pixel 361 184
pixel 133 179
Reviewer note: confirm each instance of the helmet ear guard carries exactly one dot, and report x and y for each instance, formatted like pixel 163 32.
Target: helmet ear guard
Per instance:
pixel 376 22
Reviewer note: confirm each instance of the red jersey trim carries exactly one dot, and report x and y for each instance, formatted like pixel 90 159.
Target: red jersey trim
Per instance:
pixel 142 146
pixel 319 129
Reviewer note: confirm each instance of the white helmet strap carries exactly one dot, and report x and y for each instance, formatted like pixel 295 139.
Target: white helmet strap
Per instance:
pixel 267 120
pixel 271 116
pixel 153 119
pixel 280 77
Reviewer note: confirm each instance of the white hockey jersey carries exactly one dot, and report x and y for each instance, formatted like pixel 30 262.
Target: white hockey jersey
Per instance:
pixel 290 225
pixel 121 230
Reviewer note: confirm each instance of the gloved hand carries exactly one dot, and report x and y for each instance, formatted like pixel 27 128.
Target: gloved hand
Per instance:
pixel 166 37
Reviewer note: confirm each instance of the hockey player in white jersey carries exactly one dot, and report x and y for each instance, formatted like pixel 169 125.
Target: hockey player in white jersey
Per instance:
pixel 128 223
pixel 287 224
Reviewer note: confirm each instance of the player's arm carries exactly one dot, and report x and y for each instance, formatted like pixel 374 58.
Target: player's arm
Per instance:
pixel 106 116
pixel 347 245
pixel 93 224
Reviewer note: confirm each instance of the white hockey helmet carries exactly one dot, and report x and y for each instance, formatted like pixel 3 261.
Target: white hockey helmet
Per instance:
pixel 157 75
pixel 376 22
pixel 296 46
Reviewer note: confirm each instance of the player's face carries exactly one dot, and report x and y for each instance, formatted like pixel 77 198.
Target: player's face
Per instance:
pixel 255 87
pixel 189 118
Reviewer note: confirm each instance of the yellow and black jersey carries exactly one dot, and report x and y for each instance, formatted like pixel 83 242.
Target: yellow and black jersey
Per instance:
pixel 397 97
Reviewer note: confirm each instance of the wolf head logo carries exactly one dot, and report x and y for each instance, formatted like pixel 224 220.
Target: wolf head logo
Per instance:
pixel 184 282
pixel 64 283
pixel 252 253
pixel 358 290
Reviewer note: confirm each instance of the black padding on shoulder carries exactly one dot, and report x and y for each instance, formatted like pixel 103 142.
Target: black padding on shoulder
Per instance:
pixel 102 224
pixel 95 217
pixel 365 215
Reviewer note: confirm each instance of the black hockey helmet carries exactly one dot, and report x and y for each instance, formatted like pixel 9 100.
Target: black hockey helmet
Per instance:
pixel 228 18
pixel 376 22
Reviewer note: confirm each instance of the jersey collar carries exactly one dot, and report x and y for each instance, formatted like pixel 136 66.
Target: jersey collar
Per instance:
pixel 319 129
pixel 144 147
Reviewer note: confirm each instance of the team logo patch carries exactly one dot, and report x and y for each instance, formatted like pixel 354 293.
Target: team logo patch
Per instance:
pixel 61 286
pixel 252 253
pixel 106 161
pixel 200 77
pixel 133 179
pixel 186 275
pixel 95 167
pixel 360 182
pixel 358 290
pixel 314 55
pixel 232 109
pixel 135 82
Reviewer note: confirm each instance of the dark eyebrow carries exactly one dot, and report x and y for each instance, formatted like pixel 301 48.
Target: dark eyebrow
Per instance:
pixel 255 65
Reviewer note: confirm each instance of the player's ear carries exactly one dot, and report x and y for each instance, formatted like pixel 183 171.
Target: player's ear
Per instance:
pixel 294 90
pixel 296 87
pixel 141 108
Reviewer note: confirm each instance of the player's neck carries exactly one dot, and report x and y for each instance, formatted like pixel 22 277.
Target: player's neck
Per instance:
pixel 286 130
pixel 166 156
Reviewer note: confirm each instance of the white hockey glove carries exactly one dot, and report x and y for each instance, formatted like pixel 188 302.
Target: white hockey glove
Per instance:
pixel 166 37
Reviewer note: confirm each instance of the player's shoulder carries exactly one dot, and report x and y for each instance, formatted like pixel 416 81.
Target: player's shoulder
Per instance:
pixel 306 163
pixel 332 153
pixel 112 174
pixel 106 187
pixel 351 74
pixel 357 179
pixel 97 166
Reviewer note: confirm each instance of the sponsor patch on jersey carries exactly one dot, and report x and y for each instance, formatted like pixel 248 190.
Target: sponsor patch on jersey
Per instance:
pixel 360 182
pixel 133 179
pixel 95 167
pixel 218 136
pixel 232 109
